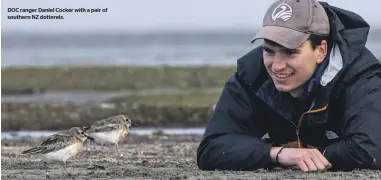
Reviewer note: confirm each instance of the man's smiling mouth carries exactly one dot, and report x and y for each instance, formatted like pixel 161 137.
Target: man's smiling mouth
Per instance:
pixel 283 76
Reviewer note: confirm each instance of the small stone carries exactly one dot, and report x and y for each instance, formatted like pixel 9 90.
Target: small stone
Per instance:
pixel 144 162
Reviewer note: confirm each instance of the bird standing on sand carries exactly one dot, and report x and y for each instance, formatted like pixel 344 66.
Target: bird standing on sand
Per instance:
pixel 60 147
pixel 111 130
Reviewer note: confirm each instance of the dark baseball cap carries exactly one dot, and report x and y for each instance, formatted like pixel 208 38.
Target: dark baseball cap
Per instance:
pixel 290 22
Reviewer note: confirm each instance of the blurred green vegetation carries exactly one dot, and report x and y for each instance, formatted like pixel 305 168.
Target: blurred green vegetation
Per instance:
pixel 116 78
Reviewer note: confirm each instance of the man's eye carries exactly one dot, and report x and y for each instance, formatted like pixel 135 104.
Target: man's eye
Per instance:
pixel 291 52
pixel 268 51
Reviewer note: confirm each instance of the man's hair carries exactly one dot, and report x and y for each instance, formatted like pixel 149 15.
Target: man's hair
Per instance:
pixel 316 40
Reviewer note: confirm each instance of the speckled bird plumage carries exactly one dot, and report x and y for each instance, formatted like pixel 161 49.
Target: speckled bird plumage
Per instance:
pixel 60 146
pixel 112 129
pixel 109 124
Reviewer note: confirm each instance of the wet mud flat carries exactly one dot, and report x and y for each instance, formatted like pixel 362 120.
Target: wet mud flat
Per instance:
pixel 145 157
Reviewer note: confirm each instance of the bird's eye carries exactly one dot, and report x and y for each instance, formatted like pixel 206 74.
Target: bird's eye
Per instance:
pixel 82 133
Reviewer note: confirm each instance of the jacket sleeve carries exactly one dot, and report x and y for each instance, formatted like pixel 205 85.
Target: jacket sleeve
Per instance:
pixel 232 138
pixel 360 146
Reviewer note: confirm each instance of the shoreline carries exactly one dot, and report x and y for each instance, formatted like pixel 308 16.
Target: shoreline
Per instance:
pixel 147 131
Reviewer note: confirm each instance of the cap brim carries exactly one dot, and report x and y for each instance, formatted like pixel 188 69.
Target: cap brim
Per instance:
pixel 286 37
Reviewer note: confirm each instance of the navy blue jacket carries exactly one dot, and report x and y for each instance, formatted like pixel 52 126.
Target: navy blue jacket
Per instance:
pixel 341 115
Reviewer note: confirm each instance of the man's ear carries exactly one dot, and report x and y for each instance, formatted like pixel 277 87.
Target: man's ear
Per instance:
pixel 321 52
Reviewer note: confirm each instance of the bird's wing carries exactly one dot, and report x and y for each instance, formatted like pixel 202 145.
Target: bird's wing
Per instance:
pixel 52 143
pixel 106 127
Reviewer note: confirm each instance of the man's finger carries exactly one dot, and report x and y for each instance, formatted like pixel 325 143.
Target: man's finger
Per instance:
pixel 302 166
pixel 323 159
pixel 317 161
pixel 310 164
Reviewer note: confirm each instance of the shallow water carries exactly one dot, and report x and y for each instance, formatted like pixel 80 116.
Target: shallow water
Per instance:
pixel 11 135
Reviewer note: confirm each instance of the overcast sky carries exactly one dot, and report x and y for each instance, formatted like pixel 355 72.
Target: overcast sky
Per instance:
pixel 162 14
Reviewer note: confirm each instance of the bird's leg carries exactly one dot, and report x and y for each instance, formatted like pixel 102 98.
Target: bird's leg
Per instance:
pixel 117 148
pixel 64 166
pixel 88 145
pixel 46 171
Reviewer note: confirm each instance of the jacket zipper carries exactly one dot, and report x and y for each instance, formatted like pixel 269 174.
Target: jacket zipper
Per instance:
pixel 301 120
pixel 297 129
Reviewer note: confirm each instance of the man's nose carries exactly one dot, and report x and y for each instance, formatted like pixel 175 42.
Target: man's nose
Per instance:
pixel 279 63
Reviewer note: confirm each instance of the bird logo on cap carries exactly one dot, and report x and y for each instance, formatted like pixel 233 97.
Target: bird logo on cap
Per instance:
pixel 282 11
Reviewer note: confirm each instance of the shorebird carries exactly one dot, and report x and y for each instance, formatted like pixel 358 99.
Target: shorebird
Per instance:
pixel 110 130
pixel 60 147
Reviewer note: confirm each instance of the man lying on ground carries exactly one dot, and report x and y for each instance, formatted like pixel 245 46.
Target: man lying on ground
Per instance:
pixel 312 85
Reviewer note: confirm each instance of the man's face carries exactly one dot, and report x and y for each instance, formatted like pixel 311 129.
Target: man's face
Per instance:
pixel 292 68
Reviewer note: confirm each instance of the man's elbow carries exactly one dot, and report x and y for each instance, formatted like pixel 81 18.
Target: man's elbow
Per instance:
pixel 203 160
pixel 366 156
pixel 210 157
pixel 374 161
pixel 373 156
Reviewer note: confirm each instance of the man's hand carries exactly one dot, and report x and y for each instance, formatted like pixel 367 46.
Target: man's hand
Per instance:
pixel 305 159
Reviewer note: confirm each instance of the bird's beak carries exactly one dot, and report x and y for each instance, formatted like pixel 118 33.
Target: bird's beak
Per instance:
pixel 89 137
pixel 134 125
